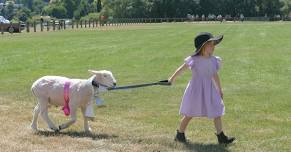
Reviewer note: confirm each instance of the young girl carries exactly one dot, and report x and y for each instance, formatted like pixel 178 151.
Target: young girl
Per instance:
pixel 203 95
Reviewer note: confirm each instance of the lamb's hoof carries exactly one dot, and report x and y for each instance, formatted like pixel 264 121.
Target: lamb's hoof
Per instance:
pixel 88 131
pixel 33 128
pixel 90 118
pixel 60 128
pixel 56 130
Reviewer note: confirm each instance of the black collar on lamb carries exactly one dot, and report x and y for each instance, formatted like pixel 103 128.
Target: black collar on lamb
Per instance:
pixel 96 84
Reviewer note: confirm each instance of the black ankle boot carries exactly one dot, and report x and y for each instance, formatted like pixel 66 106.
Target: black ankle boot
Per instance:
pixel 222 139
pixel 180 137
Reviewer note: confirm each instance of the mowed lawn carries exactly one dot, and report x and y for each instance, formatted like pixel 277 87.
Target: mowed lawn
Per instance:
pixel 256 79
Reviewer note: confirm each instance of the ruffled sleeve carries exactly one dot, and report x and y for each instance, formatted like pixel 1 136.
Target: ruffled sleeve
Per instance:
pixel 189 61
pixel 218 61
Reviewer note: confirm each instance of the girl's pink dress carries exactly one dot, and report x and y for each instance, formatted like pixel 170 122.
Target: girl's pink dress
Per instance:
pixel 201 97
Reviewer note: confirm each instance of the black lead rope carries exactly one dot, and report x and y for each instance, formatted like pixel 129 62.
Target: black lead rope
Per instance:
pixel 162 82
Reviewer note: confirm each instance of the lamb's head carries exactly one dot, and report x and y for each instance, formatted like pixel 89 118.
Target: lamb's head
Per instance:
pixel 104 78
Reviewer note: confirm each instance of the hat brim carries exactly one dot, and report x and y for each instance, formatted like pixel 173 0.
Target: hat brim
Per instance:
pixel 216 41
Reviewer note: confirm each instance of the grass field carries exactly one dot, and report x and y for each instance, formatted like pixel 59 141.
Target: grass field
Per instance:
pixel 255 77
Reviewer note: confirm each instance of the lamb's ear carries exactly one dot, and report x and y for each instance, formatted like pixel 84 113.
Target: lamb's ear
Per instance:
pixel 92 78
pixel 97 74
pixel 93 71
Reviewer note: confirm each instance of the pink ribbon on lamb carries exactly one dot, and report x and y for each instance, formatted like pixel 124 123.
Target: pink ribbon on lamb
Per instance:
pixel 66 107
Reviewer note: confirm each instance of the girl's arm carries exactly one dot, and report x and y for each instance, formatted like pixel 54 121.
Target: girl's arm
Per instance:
pixel 178 72
pixel 217 81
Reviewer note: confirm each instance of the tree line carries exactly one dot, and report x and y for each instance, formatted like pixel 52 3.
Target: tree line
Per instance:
pixel 76 9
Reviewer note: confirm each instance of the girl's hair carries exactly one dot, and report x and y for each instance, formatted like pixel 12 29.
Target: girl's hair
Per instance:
pixel 202 50
pixel 201 53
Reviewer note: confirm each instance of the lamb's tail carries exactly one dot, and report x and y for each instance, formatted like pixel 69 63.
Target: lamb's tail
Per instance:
pixel 32 88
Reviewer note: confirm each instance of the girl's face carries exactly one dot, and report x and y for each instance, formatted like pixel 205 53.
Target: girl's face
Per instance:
pixel 209 48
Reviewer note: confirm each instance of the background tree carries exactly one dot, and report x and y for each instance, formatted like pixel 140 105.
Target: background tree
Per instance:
pixel 154 8
pixel 286 8
pixel 83 8
pixel 99 6
pixel 22 14
pixel 57 11
pixel 9 10
pixel 106 11
pixel 70 6
pixel 27 3
pixel 268 7
pixel 37 6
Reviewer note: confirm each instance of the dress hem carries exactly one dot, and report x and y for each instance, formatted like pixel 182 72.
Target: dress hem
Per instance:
pixel 210 117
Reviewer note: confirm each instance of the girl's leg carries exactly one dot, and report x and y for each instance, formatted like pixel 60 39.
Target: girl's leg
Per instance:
pixel 221 137
pixel 180 136
pixel 184 123
pixel 218 125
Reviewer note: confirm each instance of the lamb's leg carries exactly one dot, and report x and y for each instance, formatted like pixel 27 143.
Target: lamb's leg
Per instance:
pixel 73 119
pixel 86 124
pixel 35 118
pixel 43 106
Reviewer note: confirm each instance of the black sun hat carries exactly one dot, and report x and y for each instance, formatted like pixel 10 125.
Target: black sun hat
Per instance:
pixel 202 38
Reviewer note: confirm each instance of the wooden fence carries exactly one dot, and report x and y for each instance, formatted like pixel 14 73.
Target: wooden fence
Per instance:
pixel 54 25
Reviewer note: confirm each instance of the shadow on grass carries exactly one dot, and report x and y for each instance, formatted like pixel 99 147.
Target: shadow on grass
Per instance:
pixel 76 134
pixel 200 147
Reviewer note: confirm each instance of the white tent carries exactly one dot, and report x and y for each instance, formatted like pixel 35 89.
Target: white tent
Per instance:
pixel 3 20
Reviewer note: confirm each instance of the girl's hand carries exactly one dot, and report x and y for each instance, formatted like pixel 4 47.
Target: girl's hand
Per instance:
pixel 178 72
pixel 221 94
pixel 171 80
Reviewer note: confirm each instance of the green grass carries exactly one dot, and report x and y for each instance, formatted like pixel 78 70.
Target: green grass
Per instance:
pixel 255 78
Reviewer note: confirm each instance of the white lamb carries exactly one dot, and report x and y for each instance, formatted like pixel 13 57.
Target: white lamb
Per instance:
pixel 51 90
